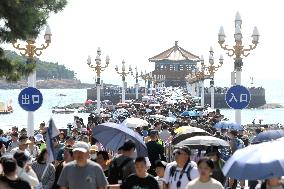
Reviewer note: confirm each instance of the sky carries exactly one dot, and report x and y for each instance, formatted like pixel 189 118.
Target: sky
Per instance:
pixel 136 30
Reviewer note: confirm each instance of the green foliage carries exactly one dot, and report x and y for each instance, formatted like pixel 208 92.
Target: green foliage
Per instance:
pixel 44 70
pixel 22 19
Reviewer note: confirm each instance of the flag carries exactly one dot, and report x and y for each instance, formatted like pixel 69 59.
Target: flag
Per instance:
pixel 52 132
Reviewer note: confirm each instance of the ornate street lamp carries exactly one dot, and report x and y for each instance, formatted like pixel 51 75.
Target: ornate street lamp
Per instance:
pixel 145 77
pixel 238 51
pixel 30 51
pixel 210 71
pixel 136 76
pixel 123 74
pixel 98 68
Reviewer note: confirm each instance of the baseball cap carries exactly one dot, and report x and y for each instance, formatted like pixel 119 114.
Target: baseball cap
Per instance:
pixel 81 146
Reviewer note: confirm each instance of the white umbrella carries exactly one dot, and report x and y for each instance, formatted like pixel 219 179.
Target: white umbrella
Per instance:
pixel 134 122
pixel 154 105
pixel 171 102
pixel 158 116
pixel 203 141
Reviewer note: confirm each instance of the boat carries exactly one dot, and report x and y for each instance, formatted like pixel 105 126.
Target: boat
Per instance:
pixel 6 108
pixel 63 111
pixel 60 94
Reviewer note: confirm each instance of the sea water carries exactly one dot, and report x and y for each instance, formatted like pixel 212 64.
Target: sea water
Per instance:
pixel 51 98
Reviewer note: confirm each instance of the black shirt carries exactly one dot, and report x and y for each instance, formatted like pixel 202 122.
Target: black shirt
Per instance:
pixel 155 152
pixel 14 184
pixel 135 182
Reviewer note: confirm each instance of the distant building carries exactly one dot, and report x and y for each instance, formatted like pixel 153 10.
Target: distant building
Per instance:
pixel 175 64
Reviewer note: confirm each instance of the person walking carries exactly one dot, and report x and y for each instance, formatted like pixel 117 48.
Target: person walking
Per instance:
pixel 14 142
pixel 205 169
pixel 10 178
pixel 102 159
pixel 155 151
pixel 24 171
pixel 123 165
pixel 141 179
pixel 235 144
pixel 45 171
pixel 67 157
pixel 82 173
pixel 219 163
pixel 181 171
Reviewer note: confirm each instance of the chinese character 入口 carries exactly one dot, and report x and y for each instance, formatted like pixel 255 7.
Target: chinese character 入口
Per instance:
pixel 233 98
pixel 243 98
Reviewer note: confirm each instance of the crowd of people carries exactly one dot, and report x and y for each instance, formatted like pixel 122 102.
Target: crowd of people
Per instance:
pixel 81 161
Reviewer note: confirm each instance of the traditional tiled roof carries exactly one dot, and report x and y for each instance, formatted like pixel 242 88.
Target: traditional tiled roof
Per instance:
pixel 176 53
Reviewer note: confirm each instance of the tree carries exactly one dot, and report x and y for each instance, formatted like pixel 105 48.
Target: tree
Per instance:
pixel 44 70
pixel 22 19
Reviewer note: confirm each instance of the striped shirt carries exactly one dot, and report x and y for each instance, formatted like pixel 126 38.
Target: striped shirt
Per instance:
pixel 49 177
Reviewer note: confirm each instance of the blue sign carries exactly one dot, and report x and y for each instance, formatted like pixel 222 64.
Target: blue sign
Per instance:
pixel 30 99
pixel 238 97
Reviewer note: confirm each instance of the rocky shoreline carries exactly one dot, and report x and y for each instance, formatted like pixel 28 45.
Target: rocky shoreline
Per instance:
pixel 271 106
pixel 47 84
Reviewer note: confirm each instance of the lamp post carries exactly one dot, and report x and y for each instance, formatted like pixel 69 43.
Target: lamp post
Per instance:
pixel 136 76
pixel 145 78
pixel 150 82
pixel 199 77
pixel 30 51
pixel 211 69
pixel 191 80
pixel 123 74
pixel 98 68
pixel 238 51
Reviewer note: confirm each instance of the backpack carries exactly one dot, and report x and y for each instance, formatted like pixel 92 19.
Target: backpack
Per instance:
pixel 116 172
pixel 174 168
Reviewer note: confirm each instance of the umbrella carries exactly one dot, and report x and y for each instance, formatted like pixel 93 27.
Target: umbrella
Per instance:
pixel 148 110
pixel 187 132
pixel 134 122
pixel 268 136
pixel 190 114
pixel 112 136
pixel 180 129
pixel 89 101
pixel 157 116
pixel 170 119
pixel 257 162
pixel 171 102
pixel 228 125
pixel 154 105
pixel 203 141
pixel 3 139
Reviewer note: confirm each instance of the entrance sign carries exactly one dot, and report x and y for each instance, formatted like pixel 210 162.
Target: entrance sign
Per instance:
pixel 238 97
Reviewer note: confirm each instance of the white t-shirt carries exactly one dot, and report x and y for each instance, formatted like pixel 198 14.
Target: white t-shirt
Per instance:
pixel 172 180
pixel 211 184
